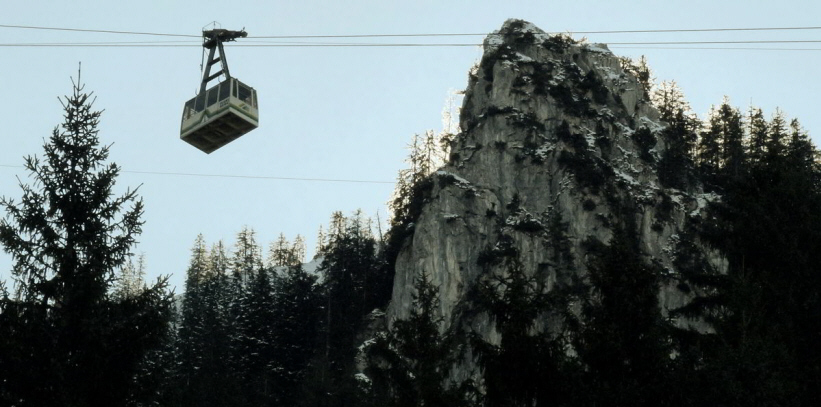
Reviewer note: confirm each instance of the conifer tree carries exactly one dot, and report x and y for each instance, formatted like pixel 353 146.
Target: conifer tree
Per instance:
pixel 732 146
pixel 283 253
pixel 247 258
pixel 66 335
pixel 132 278
pixel 623 341
pixel 777 136
pixel 642 72
pixel 760 311
pixel 256 345
pixel 189 346
pixel 156 380
pixel 223 381
pixel 758 134
pixel 427 154
pixel 410 364
pixel 298 250
pixel 245 264
pixel 450 125
pixel 799 149
pixel 192 326
pixel 204 342
pixel 280 253
pixel 709 148
pixel 768 226
pixel 320 241
pixel 676 165
pixel 297 308
pixel 353 286
pixel 527 367
pixel 218 263
pixel 669 99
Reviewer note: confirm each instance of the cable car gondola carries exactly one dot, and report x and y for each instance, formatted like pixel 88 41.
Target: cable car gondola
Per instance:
pixel 226 111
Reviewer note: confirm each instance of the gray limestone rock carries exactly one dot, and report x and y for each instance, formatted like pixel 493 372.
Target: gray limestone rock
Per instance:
pixel 550 129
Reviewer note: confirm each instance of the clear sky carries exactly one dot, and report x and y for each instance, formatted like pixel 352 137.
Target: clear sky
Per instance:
pixel 336 113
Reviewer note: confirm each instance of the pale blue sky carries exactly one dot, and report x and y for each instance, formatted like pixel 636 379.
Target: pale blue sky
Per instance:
pixel 342 113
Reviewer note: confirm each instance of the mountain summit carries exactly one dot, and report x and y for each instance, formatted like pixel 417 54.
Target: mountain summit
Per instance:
pixel 558 157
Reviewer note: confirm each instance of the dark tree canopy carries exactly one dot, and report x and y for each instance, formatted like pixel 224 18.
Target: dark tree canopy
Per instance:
pixel 66 335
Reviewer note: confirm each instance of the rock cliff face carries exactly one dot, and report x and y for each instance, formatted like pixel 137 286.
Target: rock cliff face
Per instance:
pixel 552 132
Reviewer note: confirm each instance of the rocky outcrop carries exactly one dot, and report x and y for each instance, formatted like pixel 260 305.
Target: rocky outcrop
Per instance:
pixel 552 132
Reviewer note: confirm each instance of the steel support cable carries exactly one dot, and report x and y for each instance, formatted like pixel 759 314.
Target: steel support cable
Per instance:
pixel 568 32
pixel 27 27
pixel 187 174
pixel 143 44
pixel 692 30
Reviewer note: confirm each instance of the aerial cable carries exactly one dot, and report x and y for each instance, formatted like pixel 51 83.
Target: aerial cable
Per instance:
pixel 98 31
pixel 186 174
pixel 696 30
pixel 261 177
pixel 105 44
pixel 718 42
pixel 304 44
pixel 257 45
pixel 284 37
pixel 570 32
pixel 716 48
pixel 97 45
pixel 475 45
pixel 656 31
pixel 357 44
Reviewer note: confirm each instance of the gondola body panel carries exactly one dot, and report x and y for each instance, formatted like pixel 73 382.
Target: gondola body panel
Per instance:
pixel 224 113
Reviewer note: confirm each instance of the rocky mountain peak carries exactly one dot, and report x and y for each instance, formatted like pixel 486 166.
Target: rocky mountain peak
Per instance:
pixel 559 143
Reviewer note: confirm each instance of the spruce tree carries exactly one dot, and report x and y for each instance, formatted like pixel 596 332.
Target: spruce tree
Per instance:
pixel 732 147
pixel 320 241
pixel 669 99
pixel 757 134
pixel 298 250
pixel 623 341
pixel 676 167
pixel 427 154
pixel 800 150
pixel 156 381
pixel 297 309
pixel 353 286
pixel 280 253
pixel 247 258
pixel 131 279
pixel 764 311
pixel 777 136
pixel 245 265
pixel 204 370
pixel 68 334
pixel 709 149
pixel 256 344
pixel 410 364
pixel 222 383
pixel 641 70
pixel 528 367
pixel 190 339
